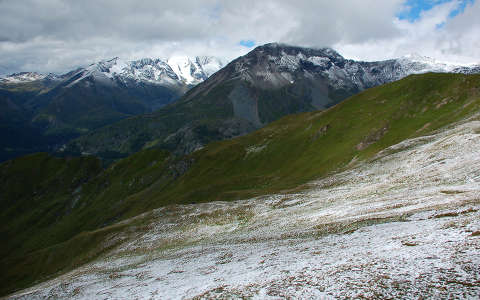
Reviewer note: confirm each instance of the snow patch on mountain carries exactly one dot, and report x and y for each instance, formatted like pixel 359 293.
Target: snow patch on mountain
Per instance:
pixel 193 71
pixel 319 61
pixel 184 68
pixel 289 62
pixel 209 64
pixel 100 71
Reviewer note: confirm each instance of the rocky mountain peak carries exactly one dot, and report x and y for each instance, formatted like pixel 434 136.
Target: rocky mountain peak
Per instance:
pixel 278 49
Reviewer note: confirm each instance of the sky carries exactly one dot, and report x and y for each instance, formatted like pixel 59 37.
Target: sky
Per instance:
pixel 59 35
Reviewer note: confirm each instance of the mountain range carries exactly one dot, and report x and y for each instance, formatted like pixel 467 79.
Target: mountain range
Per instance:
pixel 41 112
pixel 268 83
pixel 92 110
pixel 170 71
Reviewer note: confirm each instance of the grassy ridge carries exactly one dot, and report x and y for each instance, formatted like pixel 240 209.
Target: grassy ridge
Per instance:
pixel 302 147
pixel 78 196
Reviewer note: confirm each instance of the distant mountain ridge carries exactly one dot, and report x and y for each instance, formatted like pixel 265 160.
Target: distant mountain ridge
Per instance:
pixel 262 86
pixel 173 70
pixel 277 65
pixel 41 112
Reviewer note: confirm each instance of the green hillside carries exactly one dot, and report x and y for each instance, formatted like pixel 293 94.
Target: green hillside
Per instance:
pixel 55 211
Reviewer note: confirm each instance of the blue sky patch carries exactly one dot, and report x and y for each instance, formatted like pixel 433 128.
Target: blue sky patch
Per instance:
pixel 460 8
pixel 416 7
pixel 247 43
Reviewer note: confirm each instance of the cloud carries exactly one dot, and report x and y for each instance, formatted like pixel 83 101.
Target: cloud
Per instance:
pixel 413 9
pixel 436 33
pixel 58 35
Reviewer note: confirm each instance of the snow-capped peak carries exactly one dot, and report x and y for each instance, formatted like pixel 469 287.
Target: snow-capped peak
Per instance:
pixel 196 70
pixel 22 77
pixel 210 64
pixel 183 67
pixel 176 70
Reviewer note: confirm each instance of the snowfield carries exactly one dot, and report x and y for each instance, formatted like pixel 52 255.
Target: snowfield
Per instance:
pixel 404 225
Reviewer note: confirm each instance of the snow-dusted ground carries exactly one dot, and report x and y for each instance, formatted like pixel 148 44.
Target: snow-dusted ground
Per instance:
pixel 405 225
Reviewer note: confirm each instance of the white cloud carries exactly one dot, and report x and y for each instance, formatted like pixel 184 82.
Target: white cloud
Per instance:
pixel 58 35
pixel 457 40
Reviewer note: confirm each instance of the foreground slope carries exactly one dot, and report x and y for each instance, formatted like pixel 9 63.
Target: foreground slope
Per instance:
pixel 252 91
pixel 403 224
pixel 69 211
